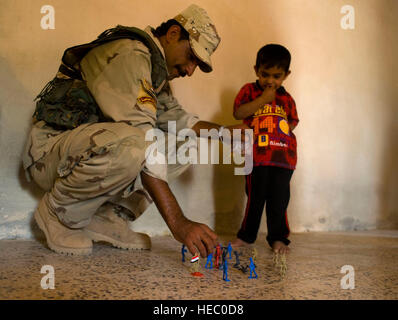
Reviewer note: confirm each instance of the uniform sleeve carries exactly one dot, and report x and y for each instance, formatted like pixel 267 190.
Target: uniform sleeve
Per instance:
pixel 168 109
pixel 118 75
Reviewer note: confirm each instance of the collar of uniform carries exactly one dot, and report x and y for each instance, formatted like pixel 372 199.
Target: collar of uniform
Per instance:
pixel 148 30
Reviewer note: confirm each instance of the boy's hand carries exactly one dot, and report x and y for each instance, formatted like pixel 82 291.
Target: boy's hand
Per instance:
pixel 268 94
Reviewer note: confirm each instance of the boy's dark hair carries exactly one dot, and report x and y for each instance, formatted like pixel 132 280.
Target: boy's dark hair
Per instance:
pixel 165 26
pixel 273 55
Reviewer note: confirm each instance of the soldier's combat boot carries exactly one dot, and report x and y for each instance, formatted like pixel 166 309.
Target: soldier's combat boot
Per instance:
pixel 106 225
pixel 60 238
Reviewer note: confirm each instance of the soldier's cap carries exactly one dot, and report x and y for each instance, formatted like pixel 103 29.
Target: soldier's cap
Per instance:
pixel 203 36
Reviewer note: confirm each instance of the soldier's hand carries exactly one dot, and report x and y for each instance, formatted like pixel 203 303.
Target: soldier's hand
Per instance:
pixel 196 236
pixel 245 142
pixel 242 127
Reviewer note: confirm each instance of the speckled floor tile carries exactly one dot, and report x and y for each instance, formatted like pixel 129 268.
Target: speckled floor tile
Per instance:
pixel 314 266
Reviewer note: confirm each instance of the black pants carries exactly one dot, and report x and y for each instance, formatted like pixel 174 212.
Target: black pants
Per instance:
pixel 271 186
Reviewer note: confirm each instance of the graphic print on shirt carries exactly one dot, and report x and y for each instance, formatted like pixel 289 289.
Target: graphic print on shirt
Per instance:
pixel 270 120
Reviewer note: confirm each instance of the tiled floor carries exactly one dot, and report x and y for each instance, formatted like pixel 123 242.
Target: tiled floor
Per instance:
pixel 314 271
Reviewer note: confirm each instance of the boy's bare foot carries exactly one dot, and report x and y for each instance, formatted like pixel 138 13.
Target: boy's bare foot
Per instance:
pixel 280 247
pixel 238 243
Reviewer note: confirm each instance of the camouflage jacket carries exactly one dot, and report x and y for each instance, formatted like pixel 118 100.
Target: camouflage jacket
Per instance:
pixel 125 86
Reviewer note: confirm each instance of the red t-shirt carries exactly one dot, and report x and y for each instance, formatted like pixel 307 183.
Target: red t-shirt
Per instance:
pixel 274 143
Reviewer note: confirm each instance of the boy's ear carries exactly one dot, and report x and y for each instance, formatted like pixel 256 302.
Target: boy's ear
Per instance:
pixel 287 74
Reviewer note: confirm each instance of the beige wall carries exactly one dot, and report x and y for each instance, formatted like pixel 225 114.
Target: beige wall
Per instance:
pixel 344 82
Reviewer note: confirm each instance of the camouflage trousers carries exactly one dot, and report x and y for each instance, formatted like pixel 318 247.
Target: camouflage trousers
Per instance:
pixel 91 165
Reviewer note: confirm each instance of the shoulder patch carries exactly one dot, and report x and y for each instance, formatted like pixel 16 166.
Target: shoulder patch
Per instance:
pixel 148 88
pixel 146 96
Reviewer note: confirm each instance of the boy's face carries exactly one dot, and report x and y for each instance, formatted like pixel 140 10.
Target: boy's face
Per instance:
pixel 271 77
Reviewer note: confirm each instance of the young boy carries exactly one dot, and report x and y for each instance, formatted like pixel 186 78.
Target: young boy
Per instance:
pixel 270 111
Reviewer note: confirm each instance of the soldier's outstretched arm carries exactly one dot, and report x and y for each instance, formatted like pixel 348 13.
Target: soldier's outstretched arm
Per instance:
pixel 196 236
pixel 210 125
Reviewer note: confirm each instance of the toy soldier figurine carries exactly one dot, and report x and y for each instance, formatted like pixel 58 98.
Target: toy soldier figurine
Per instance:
pixel 254 254
pixel 252 269
pixel 218 254
pixel 183 250
pixel 195 266
pixel 224 257
pixel 225 271
pixel 209 260
pixel 229 250
pixel 283 266
pixel 237 262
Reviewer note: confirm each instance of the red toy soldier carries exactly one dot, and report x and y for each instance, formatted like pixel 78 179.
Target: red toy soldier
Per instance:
pixel 218 255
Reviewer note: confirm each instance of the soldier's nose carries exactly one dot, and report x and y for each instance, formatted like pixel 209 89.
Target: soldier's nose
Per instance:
pixel 190 69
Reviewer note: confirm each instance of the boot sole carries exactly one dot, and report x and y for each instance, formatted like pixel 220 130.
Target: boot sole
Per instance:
pixel 57 248
pixel 118 244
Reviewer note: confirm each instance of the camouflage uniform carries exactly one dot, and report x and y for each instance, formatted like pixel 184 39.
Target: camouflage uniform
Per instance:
pixel 96 165
pixel 101 162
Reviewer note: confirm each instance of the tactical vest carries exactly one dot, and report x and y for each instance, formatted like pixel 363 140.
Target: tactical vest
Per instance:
pixel 66 102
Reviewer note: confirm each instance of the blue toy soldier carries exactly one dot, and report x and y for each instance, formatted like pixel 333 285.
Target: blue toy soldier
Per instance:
pixel 183 250
pixel 225 271
pixel 209 259
pixel 229 250
pixel 252 267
